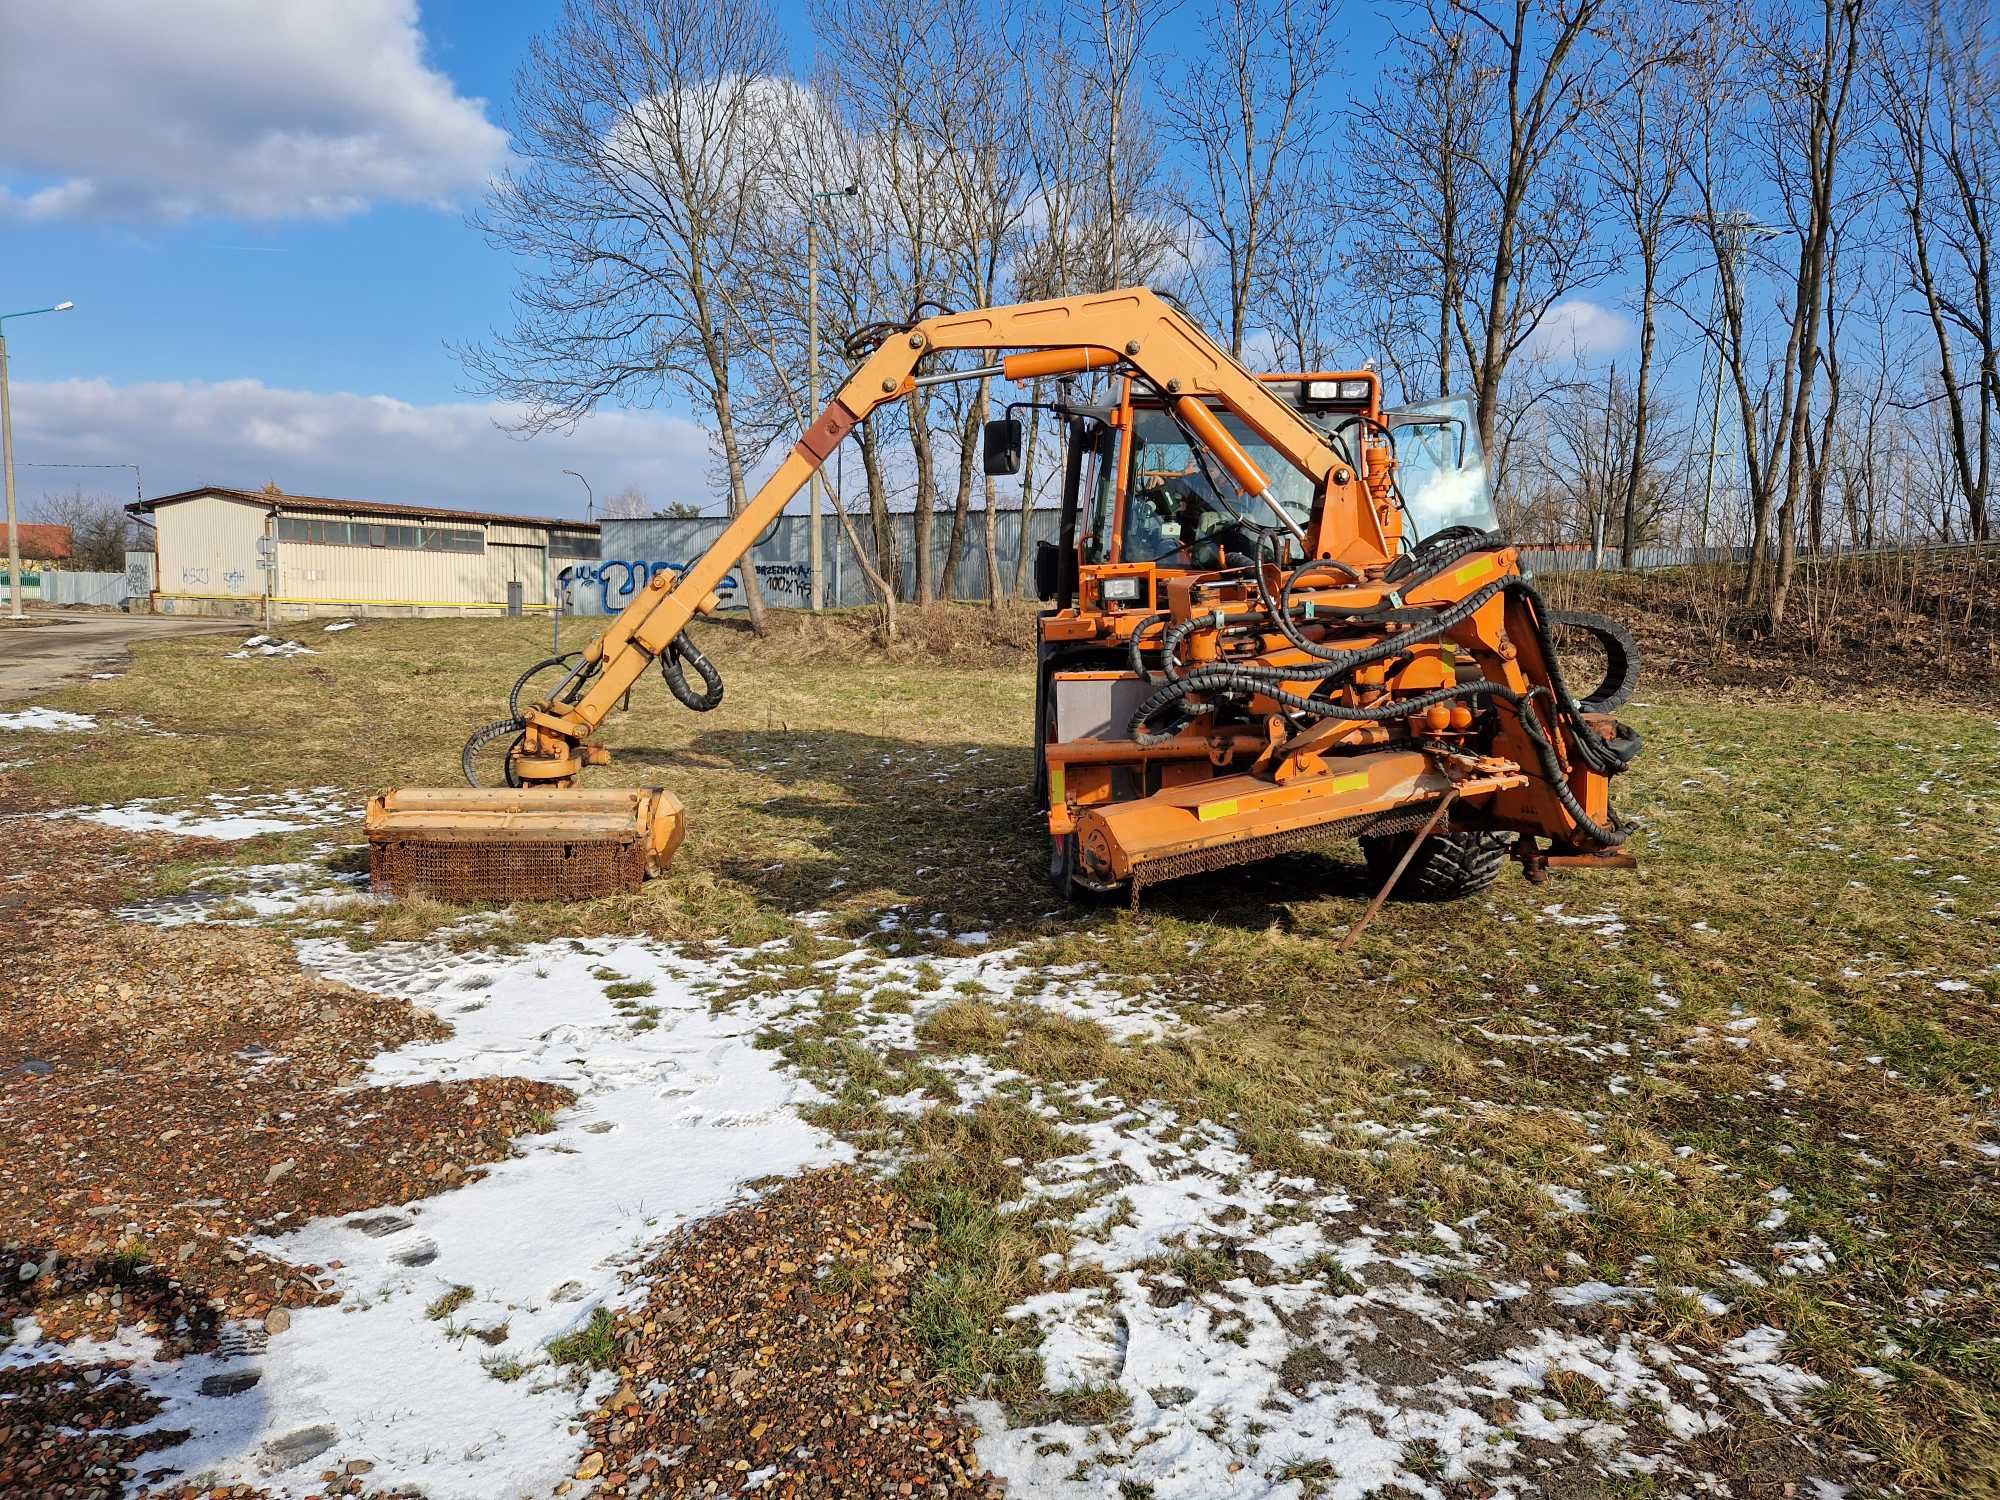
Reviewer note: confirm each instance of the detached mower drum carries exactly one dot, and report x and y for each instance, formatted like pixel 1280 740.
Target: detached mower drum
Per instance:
pixel 514 844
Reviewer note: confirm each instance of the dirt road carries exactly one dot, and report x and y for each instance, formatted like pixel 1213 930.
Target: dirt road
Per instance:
pixel 61 644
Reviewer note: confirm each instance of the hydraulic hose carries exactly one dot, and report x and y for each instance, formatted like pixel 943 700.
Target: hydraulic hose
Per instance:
pixel 521 682
pixel 682 650
pixel 1136 656
pixel 480 739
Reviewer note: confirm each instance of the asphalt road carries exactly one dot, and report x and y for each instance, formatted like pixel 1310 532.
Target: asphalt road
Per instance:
pixel 61 644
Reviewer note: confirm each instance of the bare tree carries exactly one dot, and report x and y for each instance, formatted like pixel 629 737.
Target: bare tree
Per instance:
pixel 1482 212
pixel 1247 116
pixel 627 505
pixel 1810 67
pixel 644 134
pixel 99 528
pixel 1540 215
pixel 1640 143
pixel 1937 85
pixel 1416 147
pixel 978 128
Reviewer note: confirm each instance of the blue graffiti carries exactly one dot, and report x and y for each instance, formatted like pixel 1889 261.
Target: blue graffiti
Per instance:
pixel 619 579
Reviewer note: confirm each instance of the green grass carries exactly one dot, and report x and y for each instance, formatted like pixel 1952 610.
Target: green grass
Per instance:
pixel 595 1345
pixel 1800 863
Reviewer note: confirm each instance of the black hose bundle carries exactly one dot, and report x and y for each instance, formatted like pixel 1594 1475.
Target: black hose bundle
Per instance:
pixel 1239 680
pixel 567 661
pixel 481 738
pixel 680 649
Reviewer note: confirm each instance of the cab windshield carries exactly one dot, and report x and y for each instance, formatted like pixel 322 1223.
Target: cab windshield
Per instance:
pixel 1439 470
pixel 1172 514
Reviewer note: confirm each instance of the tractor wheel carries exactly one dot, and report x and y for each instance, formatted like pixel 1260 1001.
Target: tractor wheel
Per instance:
pixel 1448 866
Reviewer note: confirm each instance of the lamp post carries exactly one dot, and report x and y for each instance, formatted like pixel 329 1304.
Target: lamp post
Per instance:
pixel 589 497
pixel 14 585
pixel 816 596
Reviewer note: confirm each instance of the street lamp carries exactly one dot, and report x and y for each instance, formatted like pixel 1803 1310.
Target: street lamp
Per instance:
pixel 816 596
pixel 589 498
pixel 14 585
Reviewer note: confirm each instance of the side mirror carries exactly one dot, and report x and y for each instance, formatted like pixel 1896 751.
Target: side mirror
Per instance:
pixel 1048 560
pixel 1000 445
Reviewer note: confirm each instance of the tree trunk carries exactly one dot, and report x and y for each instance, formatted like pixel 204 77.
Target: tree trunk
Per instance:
pixel 961 509
pixel 732 454
pixel 921 521
pixel 1027 517
pixel 889 561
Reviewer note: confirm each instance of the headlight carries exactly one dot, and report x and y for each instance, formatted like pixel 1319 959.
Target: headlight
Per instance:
pixel 1122 590
pixel 1336 390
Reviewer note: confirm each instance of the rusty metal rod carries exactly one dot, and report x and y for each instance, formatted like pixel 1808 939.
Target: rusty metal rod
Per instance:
pixel 1430 827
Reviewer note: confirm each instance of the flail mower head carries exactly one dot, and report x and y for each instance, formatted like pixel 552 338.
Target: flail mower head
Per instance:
pixel 520 844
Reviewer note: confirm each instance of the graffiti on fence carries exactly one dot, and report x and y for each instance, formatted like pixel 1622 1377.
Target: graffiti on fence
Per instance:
pixel 617 579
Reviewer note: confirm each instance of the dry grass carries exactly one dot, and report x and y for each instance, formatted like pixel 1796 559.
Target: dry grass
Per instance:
pixel 1821 869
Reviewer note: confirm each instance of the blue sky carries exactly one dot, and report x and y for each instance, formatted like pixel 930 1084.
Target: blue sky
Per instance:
pixel 257 206
pixel 227 328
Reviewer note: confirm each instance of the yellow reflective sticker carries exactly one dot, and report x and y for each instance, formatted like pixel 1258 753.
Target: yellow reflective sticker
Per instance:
pixel 1208 812
pixel 1472 570
pixel 1351 783
pixel 1056 782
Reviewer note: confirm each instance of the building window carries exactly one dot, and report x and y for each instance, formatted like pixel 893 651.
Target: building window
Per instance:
pixel 572 544
pixel 369 534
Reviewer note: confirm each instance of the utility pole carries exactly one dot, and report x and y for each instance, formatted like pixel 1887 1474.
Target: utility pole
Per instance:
pixel 14 584
pixel 816 593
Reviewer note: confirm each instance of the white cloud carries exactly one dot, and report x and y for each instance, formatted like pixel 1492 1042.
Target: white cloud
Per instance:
pixel 248 109
pixel 243 433
pixel 1580 329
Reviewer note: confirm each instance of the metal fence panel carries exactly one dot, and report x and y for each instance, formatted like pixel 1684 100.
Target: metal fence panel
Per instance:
pixel 54 586
pixel 634 551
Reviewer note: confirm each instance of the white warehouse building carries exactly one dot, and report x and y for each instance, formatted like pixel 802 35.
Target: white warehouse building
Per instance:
pixel 260 553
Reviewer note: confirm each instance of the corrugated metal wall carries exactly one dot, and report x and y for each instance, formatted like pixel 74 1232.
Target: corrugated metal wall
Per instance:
pixel 635 550
pixel 208 552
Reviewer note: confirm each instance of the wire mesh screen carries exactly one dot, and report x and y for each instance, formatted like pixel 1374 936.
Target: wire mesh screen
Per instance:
pixel 558 870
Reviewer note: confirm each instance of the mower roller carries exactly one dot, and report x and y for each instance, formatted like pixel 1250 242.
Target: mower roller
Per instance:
pixel 1277 615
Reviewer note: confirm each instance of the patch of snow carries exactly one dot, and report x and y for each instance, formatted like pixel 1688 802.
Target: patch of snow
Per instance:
pixel 270 645
pixel 227 816
pixel 50 720
pixel 338 625
pixel 668 1124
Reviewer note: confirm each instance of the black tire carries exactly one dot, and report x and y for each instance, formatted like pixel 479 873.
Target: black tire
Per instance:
pixel 1621 659
pixel 1449 866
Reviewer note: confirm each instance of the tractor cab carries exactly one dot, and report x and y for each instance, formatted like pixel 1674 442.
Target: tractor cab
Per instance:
pixel 1143 500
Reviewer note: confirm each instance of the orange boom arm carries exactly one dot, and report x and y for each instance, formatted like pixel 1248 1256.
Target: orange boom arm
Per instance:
pixel 1132 327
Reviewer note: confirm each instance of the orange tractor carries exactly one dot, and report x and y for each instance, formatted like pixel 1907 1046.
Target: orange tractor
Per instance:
pixel 1279 615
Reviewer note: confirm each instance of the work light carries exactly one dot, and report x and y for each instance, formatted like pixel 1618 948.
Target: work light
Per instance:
pixel 1336 390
